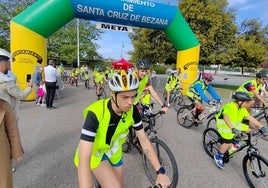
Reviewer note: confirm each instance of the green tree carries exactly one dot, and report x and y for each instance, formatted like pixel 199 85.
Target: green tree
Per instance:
pixel 251 44
pixel 8 10
pixel 213 24
pixel 153 45
pixel 63 43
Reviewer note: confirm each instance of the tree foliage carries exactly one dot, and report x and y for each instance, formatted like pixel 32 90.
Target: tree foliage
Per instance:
pixel 213 24
pixel 153 45
pixel 63 43
pixel 251 44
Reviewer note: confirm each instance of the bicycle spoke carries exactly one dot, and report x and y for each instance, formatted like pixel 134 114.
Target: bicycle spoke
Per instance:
pixel 255 169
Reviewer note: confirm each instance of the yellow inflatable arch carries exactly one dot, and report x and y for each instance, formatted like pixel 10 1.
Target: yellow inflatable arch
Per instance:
pixel 30 28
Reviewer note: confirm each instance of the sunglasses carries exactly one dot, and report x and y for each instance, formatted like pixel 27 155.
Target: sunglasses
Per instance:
pixel 209 80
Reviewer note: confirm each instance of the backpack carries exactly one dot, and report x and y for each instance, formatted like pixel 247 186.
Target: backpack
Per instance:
pixel 40 92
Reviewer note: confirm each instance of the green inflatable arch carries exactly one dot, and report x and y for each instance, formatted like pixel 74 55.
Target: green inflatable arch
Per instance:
pixel 45 17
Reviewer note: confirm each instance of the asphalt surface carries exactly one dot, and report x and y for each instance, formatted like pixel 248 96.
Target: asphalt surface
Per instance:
pixel 50 138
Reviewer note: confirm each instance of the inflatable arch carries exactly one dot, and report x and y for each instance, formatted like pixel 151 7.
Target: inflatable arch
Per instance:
pixel 30 28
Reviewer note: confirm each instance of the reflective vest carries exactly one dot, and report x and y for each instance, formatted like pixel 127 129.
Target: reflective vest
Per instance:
pixel 243 87
pixel 236 116
pixel 192 93
pixel 114 150
pixel 142 84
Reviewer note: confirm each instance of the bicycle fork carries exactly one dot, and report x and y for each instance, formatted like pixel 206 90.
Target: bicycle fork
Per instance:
pixel 255 167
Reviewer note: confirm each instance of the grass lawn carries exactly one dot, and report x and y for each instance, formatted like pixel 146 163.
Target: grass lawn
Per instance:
pixel 230 87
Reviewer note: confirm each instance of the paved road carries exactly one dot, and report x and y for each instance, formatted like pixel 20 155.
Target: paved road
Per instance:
pixel 50 138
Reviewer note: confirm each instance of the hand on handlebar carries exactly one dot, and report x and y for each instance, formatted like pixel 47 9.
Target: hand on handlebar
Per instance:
pixel 235 131
pixel 264 131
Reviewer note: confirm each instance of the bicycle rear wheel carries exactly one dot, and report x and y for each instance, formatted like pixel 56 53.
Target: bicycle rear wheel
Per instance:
pixel 211 141
pixel 166 159
pixel 255 168
pixel 185 117
pixel 178 101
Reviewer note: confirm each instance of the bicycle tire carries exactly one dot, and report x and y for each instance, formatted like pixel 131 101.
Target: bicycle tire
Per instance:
pixel 166 159
pixel 178 101
pixel 185 117
pixel 256 176
pixel 212 123
pixel 211 142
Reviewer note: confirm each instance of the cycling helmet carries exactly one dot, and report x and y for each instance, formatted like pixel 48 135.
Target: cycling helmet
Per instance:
pixel 241 96
pixel 143 64
pixel 207 76
pixel 261 74
pixel 123 81
pixel 4 55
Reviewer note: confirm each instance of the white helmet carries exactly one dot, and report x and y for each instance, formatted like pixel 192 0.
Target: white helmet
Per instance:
pixel 5 54
pixel 122 81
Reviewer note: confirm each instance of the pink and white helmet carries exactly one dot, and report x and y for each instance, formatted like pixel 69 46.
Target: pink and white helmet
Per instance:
pixel 207 76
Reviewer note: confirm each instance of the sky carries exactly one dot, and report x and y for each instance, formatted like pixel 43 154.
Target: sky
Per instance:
pixel 116 44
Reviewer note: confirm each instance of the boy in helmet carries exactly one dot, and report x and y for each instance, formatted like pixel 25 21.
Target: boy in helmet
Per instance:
pixel 255 87
pixel 141 73
pixel 197 94
pixel 229 122
pixel 106 127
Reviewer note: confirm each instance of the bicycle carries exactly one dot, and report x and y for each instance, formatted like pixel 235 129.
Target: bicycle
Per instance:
pixel 257 112
pixel 185 114
pixel 254 165
pixel 103 93
pixel 163 152
pixel 176 97
pixel 87 86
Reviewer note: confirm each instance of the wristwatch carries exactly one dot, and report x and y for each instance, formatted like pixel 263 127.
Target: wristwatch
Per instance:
pixel 161 171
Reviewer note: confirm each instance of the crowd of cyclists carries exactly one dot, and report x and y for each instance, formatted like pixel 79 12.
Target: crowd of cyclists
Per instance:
pixel 230 120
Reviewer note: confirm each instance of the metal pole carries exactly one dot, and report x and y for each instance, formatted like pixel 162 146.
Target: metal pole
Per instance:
pixel 77 35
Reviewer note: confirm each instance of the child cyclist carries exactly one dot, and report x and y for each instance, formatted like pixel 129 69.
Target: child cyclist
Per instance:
pixel 197 94
pixel 105 129
pixel 229 123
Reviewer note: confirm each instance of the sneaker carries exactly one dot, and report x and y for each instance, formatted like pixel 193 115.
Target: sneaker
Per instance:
pixel 43 104
pixel 38 104
pixel 198 121
pixel 219 161
pixel 168 105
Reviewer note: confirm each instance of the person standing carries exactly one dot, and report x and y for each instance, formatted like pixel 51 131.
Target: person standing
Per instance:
pixel 9 91
pixel 51 75
pixel 10 146
pixel 37 79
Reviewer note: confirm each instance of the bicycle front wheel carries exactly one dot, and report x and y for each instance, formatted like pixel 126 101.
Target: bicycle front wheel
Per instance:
pixel 185 117
pixel 166 159
pixel 211 141
pixel 255 168
pixel 178 101
pixel 212 123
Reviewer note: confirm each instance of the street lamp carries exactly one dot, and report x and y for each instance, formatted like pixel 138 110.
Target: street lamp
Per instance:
pixel 122 50
pixel 77 36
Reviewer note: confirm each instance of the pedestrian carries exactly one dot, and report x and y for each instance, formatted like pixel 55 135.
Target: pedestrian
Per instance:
pixel 41 94
pixel 9 91
pixel 141 72
pixel 106 126
pixel 10 146
pixel 37 79
pixel 51 75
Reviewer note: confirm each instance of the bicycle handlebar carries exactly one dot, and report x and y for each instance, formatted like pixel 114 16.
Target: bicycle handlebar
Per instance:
pixel 153 115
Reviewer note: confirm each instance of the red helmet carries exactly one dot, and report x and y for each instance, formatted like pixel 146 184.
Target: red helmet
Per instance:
pixel 207 76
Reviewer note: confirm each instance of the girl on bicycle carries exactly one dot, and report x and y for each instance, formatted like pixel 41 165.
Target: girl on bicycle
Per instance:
pixel 229 122
pixel 106 127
